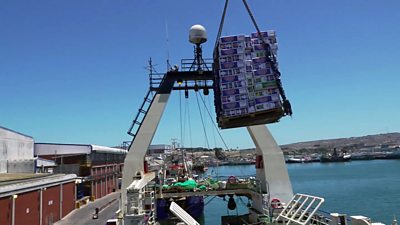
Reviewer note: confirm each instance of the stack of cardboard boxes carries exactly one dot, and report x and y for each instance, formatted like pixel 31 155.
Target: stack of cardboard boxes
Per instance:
pixel 246 80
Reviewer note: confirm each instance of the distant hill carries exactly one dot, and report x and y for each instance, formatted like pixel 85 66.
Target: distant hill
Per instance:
pixel 388 140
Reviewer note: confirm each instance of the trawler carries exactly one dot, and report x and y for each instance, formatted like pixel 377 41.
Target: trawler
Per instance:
pixel 270 194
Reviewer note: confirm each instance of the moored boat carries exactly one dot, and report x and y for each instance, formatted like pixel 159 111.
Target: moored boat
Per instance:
pixel 336 157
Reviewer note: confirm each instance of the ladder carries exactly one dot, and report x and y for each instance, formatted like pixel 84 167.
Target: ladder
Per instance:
pixel 141 114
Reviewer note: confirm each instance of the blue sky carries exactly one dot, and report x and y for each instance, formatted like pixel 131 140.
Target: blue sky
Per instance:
pixel 73 71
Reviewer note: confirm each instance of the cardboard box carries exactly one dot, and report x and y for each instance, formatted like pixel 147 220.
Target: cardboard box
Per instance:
pixel 261 47
pixel 225 52
pixel 233 78
pixel 265 34
pixel 264 78
pixel 263 99
pixel 266 91
pixel 263 72
pixel 232 85
pixel 267 106
pixel 233 38
pixel 231 65
pixel 232 45
pixel 229 79
pixel 260 66
pixel 247 81
pixel 234 58
pixel 235 105
pixel 235 112
pixel 231 72
pixel 264 85
pixel 234 98
pixel 234 91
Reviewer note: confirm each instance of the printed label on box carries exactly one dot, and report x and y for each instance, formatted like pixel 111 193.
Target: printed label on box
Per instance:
pixel 230 92
pixel 264 78
pixel 227 79
pixel 256 54
pixel 263 72
pixel 234 105
pixel 224 52
pixel 231 85
pixel 268 33
pixel 234 58
pixel 231 65
pixel 234 98
pixel 260 66
pixel 232 38
pixel 260 60
pixel 235 91
pixel 232 45
pixel 234 71
pixel 263 99
pixel 230 105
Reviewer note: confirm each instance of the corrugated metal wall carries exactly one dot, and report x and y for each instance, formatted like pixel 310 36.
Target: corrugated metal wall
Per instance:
pixel 27 205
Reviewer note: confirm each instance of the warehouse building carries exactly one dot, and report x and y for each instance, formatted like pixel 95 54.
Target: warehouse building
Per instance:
pixel 35 199
pixel 40 182
pixel 98 168
pixel 16 152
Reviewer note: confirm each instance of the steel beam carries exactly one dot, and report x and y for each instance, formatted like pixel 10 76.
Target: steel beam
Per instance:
pixel 272 172
pixel 133 163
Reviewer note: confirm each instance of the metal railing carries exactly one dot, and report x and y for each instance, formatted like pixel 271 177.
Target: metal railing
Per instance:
pixel 301 210
pixel 191 65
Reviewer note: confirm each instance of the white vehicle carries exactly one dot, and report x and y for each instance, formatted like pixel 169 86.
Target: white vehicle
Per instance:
pixel 112 222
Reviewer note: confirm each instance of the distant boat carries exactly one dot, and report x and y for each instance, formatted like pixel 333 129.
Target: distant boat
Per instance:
pixel 293 159
pixel 336 157
pixel 394 154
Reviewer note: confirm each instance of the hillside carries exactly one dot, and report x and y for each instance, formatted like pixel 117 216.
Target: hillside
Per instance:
pixel 352 143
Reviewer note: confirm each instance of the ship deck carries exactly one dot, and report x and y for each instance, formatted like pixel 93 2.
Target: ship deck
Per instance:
pixel 239 192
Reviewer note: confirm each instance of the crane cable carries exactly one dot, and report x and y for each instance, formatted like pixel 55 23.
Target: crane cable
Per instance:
pixel 221 25
pixel 272 60
pixel 211 118
pixel 180 117
pixel 212 122
pixel 202 121
pixel 187 126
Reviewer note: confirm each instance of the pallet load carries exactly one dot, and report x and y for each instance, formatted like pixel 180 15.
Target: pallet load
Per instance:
pixel 246 88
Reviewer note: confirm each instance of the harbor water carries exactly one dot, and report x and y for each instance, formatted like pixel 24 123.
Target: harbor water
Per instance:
pixel 369 188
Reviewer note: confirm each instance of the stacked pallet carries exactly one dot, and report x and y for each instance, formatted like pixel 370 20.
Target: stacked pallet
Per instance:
pixel 246 80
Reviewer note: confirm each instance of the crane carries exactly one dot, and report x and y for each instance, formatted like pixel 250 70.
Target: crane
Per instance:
pixel 270 168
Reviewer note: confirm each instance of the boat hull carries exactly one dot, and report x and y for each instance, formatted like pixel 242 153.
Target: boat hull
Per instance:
pixel 335 159
pixel 194 205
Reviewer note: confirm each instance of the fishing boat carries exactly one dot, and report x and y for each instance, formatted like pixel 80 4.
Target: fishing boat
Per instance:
pixel 270 195
pixel 303 159
pixel 336 157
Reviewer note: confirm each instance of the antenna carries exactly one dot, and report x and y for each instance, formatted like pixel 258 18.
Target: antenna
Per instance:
pixel 167 43
pixel 197 36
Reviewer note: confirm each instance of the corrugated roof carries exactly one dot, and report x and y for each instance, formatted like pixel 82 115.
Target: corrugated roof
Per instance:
pixel 21 183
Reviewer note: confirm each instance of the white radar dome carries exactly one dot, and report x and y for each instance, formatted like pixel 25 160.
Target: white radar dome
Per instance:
pixel 197 34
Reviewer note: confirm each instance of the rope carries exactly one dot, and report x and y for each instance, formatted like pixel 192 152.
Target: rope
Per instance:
pixel 272 60
pixel 202 121
pixel 180 115
pixel 190 126
pixel 213 131
pixel 221 25
pixel 208 111
pixel 252 17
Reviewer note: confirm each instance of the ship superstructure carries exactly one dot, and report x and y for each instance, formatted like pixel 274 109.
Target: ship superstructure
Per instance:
pixel 270 194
